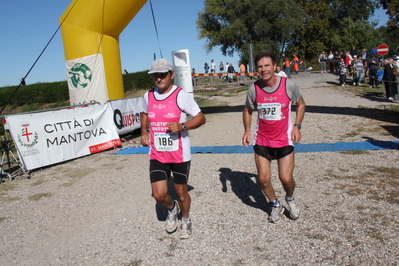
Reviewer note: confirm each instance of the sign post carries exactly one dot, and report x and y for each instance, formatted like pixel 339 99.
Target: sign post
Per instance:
pixel 383 49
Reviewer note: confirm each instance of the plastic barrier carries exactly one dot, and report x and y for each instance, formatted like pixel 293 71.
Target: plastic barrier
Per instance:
pixel 222 74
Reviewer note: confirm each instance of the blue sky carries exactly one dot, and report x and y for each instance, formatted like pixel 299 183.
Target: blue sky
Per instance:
pixel 26 26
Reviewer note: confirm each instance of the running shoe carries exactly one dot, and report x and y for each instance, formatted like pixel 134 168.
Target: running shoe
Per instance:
pixel 186 229
pixel 293 209
pixel 275 214
pixel 171 219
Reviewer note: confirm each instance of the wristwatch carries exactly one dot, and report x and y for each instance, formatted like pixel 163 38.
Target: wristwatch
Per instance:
pixel 298 126
pixel 183 127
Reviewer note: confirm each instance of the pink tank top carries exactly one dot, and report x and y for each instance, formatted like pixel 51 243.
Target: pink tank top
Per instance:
pixel 274 117
pixel 166 146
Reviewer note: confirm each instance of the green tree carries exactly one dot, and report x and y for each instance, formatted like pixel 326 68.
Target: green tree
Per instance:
pixel 234 24
pixel 314 34
pixel 392 29
pixel 353 9
pixel 303 27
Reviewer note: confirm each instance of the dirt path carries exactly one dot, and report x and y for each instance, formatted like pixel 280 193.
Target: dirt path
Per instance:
pixel 98 210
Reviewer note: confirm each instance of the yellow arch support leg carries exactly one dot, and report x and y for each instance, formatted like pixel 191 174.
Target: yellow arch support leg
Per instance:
pixel 90 33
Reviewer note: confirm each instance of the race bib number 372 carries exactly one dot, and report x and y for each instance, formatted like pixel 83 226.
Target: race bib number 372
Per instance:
pixel 269 111
pixel 166 141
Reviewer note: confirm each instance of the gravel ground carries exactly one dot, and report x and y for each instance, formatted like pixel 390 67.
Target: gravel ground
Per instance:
pixel 98 210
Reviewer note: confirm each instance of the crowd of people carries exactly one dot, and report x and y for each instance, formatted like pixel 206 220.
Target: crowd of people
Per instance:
pixel 362 65
pixel 227 68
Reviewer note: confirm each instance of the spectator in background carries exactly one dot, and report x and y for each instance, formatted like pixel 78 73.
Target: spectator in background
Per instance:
pixel 354 52
pixel 358 67
pixel 221 69
pixel 226 67
pixel 387 76
pixel 342 74
pixel 373 51
pixel 242 72
pixel 287 66
pixel 296 63
pixel 322 62
pixel 206 67
pixel 125 71
pixel 393 88
pixel 230 71
pixel 23 83
pixel 280 73
pixel 348 60
pixel 364 56
pixel 213 66
pixel 193 78
pixel 372 68
pixel 331 61
pixel 337 60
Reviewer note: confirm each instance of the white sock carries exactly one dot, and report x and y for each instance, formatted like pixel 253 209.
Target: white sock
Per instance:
pixel 289 198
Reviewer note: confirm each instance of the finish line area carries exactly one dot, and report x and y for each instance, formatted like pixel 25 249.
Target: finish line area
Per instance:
pixel 313 147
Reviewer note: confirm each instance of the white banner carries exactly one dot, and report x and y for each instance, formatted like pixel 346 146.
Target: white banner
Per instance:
pixel 126 114
pixel 5 124
pixel 55 136
pixel 86 80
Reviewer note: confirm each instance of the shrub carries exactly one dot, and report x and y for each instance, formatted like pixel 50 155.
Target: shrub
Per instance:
pixel 57 92
pixel 137 81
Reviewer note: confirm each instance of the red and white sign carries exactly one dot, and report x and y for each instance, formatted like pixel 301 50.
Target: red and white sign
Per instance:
pixel 383 49
pixel 56 136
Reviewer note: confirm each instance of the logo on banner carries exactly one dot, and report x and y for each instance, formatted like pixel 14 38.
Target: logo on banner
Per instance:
pixel 27 138
pixel 80 75
pixel 126 119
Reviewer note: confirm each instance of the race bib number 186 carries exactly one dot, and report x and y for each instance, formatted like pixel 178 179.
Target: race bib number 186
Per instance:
pixel 166 141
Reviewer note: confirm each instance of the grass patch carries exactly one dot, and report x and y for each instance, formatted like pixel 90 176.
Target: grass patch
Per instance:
pixel 75 175
pixel 38 182
pixel 31 107
pixel 3 219
pixel 134 263
pixel 376 183
pixel 374 233
pixel 370 93
pixel 7 186
pixel 355 152
pixel 350 134
pixel 4 198
pixel 38 196
pixel 68 184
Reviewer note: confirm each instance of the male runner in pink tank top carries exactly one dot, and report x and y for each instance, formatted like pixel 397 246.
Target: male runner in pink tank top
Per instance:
pixel 275 134
pixel 165 115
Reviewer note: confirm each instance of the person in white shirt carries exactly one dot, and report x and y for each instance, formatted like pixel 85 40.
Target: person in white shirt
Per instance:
pixel 322 62
pixel 213 66
pixel 331 61
pixel 280 73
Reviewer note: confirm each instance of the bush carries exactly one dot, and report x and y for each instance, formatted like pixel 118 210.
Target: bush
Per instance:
pixel 137 81
pixel 56 92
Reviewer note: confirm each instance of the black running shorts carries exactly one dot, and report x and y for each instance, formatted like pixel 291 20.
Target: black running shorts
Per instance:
pixel 161 171
pixel 273 153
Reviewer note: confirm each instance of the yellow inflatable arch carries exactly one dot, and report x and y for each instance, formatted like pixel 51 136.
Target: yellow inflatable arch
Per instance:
pixel 90 32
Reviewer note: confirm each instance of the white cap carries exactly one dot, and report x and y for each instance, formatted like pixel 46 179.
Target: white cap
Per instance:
pixel 354 56
pixel 160 66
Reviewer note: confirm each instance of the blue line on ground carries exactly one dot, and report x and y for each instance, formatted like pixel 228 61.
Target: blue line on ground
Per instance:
pixel 313 147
